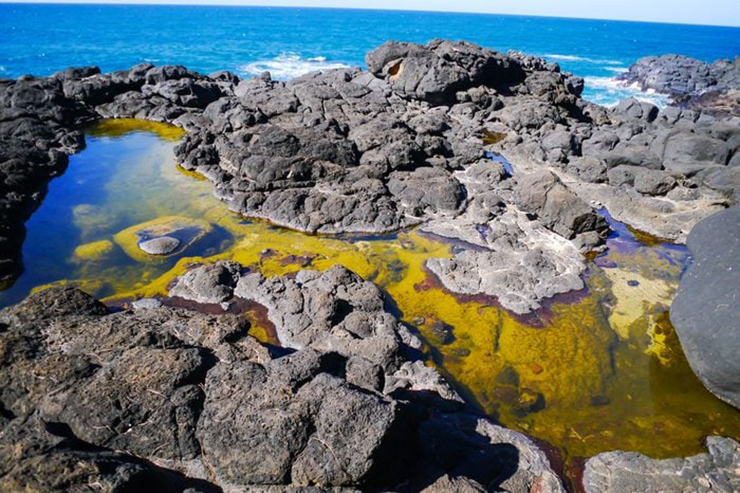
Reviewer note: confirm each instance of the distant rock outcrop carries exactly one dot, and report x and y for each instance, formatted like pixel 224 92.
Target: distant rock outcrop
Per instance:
pixel 689 82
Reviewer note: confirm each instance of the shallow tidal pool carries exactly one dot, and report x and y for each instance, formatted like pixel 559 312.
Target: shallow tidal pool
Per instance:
pixel 593 371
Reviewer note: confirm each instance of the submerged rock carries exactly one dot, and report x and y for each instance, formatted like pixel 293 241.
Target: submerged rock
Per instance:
pixel 95 251
pixel 630 471
pixel 706 310
pixel 162 237
pixel 163 245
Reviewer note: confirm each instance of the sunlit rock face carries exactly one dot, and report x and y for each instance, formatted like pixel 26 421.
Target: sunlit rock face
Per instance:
pixel 563 373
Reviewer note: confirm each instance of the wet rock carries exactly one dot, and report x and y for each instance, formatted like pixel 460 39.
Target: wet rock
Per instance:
pixel 627 471
pixel 160 238
pixel 705 310
pixel 163 245
pixel 685 79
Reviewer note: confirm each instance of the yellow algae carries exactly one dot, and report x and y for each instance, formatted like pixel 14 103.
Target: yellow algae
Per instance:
pixel 187 231
pixel 92 287
pixel 490 137
pixel 635 295
pixel 189 173
pixel 94 251
pixel 124 126
pixel 603 372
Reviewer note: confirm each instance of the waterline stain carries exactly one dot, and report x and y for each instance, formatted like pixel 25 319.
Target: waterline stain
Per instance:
pixel 599 371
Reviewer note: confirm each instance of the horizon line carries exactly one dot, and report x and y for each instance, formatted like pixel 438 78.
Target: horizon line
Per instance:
pixel 219 3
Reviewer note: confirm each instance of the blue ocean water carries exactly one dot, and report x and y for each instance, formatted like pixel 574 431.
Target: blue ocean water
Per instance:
pixel 42 39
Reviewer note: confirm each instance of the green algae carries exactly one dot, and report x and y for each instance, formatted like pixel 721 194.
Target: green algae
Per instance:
pixel 601 371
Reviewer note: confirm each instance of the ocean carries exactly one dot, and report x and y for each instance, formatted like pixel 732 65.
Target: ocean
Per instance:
pixel 42 38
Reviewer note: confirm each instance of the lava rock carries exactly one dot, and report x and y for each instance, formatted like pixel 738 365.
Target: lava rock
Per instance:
pixel 706 311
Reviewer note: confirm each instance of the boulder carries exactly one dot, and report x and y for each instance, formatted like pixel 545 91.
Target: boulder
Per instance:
pixel 210 283
pixel 706 312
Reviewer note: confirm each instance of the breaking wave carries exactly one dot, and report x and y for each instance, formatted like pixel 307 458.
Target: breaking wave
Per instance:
pixel 574 58
pixel 608 91
pixel 289 65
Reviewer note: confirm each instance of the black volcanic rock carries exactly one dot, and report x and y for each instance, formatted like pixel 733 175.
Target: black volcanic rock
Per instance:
pixel 374 151
pixel 690 82
pixel 706 311
pixel 173 399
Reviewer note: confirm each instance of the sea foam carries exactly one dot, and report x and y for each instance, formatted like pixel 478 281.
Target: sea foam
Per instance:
pixel 575 58
pixel 608 91
pixel 289 65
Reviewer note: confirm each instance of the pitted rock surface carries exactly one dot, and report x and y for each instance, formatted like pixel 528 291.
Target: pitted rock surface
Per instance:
pixel 175 399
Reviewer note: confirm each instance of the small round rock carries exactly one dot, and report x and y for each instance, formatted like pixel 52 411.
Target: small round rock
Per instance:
pixel 164 245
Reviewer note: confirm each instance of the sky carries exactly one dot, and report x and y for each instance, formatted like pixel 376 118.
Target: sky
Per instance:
pixel 711 12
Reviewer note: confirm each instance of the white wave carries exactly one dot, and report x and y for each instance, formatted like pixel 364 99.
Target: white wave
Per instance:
pixel 617 70
pixel 608 91
pixel 289 65
pixel 575 58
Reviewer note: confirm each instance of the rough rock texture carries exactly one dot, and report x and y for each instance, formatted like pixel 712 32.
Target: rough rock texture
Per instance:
pixel 629 471
pixel 172 399
pixel 690 82
pixel 398 145
pixel 211 283
pixel 706 310
pixel 332 311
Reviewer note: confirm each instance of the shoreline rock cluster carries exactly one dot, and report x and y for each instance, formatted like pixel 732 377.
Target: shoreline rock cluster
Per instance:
pixel 191 400
pixel 187 400
pixel 401 144
pixel 691 83
pixel 180 400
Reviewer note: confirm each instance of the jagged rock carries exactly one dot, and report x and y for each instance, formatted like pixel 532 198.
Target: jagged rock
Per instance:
pixel 334 310
pixel 210 283
pixel 373 151
pixel 34 457
pixel 291 421
pixel 193 393
pixel 705 311
pixel 559 209
pixel 630 471
pixel 513 258
pixel 687 80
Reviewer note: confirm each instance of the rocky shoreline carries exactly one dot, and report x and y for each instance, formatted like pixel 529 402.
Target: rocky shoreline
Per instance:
pixel 184 400
pixel 690 83
pixel 177 398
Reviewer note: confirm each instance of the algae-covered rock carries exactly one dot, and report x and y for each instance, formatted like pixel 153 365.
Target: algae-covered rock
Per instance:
pixel 161 238
pixel 90 286
pixel 94 251
pixel 92 220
